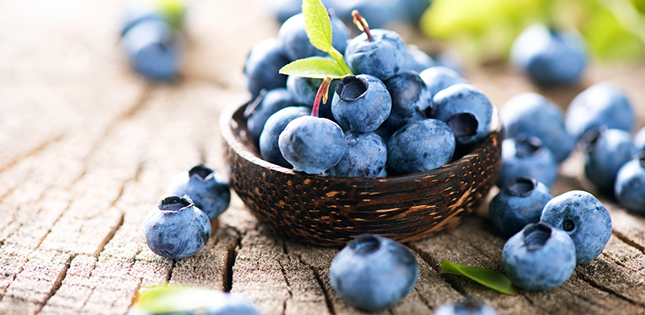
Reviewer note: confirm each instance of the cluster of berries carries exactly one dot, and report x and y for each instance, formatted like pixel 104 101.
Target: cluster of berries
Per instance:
pixel 388 118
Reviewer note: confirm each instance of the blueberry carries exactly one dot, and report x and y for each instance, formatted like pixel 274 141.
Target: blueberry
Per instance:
pixel 584 218
pixel 420 146
pixel 532 114
pixel 518 204
pixel 303 91
pixel 549 57
pixel 295 41
pixel 134 14
pixel 230 303
pixel 265 105
pixel 466 110
pixel 151 50
pixel 528 157
pixel 263 66
pixel 361 103
pixel 284 9
pixel 539 257
pixel 639 140
pixel 601 104
pixel 373 272
pixel 312 144
pixel 176 228
pixel 380 54
pixel 208 189
pixel 365 156
pixel 630 185
pixel 416 60
pixel 606 150
pixel 410 99
pixel 269 148
pixel 471 306
pixel 438 78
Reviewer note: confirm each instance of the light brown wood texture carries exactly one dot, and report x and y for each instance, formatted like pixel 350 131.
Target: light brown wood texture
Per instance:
pixel 88 147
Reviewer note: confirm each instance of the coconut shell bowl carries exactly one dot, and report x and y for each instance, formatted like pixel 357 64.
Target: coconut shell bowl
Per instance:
pixel 330 211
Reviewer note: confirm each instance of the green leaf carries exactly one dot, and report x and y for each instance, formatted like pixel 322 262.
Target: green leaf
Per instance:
pixel 483 276
pixel 168 299
pixel 315 67
pixel 317 24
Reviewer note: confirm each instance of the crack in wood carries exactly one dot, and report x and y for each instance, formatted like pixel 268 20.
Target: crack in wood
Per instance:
pixel 57 283
pixel 230 263
pixel 629 241
pixel 286 279
pixel 591 282
pixel 328 302
pixel 35 150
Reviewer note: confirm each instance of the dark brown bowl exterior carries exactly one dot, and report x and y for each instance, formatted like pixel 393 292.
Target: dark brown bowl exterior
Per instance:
pixel 330 211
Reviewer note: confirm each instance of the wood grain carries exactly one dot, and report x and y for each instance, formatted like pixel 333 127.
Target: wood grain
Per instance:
pixel 88 148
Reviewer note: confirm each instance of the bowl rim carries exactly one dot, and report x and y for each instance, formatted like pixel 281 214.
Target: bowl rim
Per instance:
pixel 227 118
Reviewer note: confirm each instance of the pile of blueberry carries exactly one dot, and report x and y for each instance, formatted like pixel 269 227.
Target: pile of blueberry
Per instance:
pixel 150 37
pixel 386 118
pixel 180 225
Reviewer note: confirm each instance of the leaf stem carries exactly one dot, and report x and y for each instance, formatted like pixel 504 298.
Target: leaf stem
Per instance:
pixel 362 25
pixel 322 94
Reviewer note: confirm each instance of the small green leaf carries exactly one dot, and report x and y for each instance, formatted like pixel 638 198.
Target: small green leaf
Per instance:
pixel 483 276
pixel 315 67
pixel 168 299
pixel 317 24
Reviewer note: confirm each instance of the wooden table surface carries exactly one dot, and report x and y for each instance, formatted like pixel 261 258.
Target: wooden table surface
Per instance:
pixel 88 148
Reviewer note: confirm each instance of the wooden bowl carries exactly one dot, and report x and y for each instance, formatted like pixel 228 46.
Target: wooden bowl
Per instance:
pixel 330 211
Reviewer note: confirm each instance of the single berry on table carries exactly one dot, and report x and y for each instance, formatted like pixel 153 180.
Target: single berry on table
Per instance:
pixel 152 49
pixel 206 188
pixel 606 150
pixel 532 114
pixel 602 104
pixel 580 215
pixel 519 204
pixel 539 257
pixel 176 228
pixel 548 56
pixel 630 185
pixel 373 272
pixel 527 157
pixel 471 306
pixel 229 304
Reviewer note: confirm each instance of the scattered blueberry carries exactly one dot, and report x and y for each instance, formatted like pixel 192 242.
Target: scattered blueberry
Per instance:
pixel 606 150
pixel 312 144
pixel 416 60
pixel 439 78
pixel 263 66
pixel 410 99
pixel 549 57
pixel 420 146
pixel 380 53
pixel 527 157
pixel 532 114
pixel 295 41
pixel 583 218
pixel 518 204
pixel 361 103
pixel 269 148
pixel 365 156
pixel 601 104
pixel 373 272
pixel 471 306
pixel 466 110
pixel 208 189
pixel 630 185
pixel 265 105
pixel 176 228
pixel 151 49
pixel 229 304
pixel 539 257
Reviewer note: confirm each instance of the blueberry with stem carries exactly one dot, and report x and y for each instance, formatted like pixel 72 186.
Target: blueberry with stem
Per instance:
pixel 380 53
pixel 310 143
